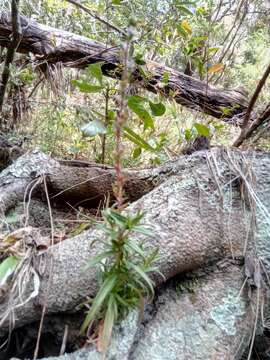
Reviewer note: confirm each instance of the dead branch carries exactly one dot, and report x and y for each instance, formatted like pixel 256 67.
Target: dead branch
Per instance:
pixel 52 45
pixel 251 104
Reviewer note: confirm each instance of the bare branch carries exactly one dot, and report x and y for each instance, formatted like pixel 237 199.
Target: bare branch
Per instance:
pixel 252 102
pixel 16 36
pixel 97 17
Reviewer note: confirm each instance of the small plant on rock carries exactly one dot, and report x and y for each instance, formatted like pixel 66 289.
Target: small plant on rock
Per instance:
pixel 125 268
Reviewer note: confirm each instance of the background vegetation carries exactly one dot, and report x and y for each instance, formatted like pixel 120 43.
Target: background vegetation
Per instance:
pixel 225 43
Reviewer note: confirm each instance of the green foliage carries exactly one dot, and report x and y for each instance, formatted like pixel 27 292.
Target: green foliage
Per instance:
pixel 7 267
pixel 136 104
pixel 202 129
pixel 137 140
pixel 96 71
pixel 85 87
pixel 125 267
pixel 158 109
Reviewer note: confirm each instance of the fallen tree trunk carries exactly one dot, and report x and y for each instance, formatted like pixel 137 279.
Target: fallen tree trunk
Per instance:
pixel 54 45
pixel 200 212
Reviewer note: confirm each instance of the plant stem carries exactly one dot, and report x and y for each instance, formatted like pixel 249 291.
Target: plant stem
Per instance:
pixel 119 123
pixel 103 152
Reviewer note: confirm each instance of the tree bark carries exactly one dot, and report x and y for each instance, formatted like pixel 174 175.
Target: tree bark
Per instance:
pixel 199 213
pixel 53 45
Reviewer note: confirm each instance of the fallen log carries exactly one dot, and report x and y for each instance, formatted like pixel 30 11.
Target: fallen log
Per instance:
pixel 79 183
pixel 53 46
pixel 201 211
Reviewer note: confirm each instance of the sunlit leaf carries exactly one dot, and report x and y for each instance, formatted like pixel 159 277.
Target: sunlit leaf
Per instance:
pixel 7 267
pixel 95 71
pixel 93 128
pixel 185 25
pixel 202 129
pixel 215 68
pixel 181 31
pixel 188 134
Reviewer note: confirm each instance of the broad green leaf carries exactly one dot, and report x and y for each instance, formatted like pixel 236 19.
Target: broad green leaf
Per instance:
pixel 215 68
pixel 137 152
pixel 93 128
pixel 103 292
pixel 135 103
pixel 157 109
pixel 137 139
pixel 7 267
pixel 117 2
pixel 86 87
pixel 186 26
pixel 96 72
pixel 202 129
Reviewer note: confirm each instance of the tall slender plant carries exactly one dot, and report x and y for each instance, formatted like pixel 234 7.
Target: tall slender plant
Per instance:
pixel 124 264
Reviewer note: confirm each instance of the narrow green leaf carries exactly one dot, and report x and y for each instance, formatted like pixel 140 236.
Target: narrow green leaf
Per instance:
pixel 110 318
pixel 86 87
pixel 141 273
pixel 143 230
pixel 181 31
pixel 98 259
pixel 137 139
pixel 103 292
pixel 132 245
